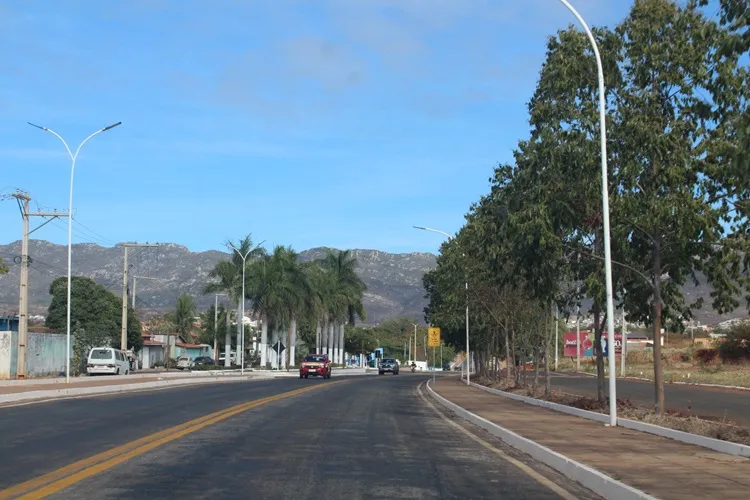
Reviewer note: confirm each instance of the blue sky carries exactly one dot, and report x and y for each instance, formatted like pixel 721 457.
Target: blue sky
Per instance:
pixel 311 123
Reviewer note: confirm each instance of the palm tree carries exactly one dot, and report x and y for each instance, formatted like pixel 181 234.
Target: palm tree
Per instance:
pixel 184 316
pixel 345 297
pixel 228 276
pixel 277 288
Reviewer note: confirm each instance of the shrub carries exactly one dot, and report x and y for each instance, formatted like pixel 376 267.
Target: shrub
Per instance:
pixel 736 345
pixel 705 356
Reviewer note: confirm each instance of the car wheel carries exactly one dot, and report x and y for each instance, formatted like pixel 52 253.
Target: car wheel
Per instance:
pixel 306 376
pixel 381 373
pixel 395 373
pixel 300 375
pixel 118 372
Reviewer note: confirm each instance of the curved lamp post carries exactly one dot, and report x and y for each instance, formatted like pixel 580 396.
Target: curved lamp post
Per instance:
pixel 73 158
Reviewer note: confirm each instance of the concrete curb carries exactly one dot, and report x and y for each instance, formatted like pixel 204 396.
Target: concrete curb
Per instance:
pixel 727 447
pixel 596 481
pixel 110 389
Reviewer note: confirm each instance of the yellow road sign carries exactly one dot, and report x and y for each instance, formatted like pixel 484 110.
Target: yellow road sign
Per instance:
pixel 433 335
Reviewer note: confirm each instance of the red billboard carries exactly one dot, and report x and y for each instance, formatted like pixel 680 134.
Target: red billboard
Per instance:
pixel 586 344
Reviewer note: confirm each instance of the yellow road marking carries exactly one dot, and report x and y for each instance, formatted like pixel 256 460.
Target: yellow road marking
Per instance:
pixel 64 477
pixel 525 468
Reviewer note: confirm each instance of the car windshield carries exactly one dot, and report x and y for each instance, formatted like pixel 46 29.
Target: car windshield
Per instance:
pixel 315 359
pixel 101 354
pixel 388 360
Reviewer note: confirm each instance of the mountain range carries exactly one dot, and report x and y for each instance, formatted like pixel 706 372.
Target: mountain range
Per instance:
pixel 394 281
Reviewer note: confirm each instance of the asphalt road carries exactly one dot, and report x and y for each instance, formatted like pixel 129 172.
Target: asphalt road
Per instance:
pixel 361 437
pixel 733 405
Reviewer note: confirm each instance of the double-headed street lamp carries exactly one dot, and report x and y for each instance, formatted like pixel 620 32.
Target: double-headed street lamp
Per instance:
pixel 73 158
pixel 468 362
pixel 241 319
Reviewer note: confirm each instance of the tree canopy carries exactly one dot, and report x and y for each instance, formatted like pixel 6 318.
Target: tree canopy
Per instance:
pixel 678 190
pixel 94 310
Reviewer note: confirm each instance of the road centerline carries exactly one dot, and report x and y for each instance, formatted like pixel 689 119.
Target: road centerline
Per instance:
pixel 59 479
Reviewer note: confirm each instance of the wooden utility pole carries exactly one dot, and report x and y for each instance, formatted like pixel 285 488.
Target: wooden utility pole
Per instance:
pixel 23 298
pixel 124 331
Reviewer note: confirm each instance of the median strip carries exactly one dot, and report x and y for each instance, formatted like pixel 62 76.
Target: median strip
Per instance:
pixel 64 477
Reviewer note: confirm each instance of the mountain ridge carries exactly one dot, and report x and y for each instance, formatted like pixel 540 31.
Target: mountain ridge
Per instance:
pixel 394 280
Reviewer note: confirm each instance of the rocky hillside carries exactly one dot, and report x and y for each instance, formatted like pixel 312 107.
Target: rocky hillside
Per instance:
pixel 394 281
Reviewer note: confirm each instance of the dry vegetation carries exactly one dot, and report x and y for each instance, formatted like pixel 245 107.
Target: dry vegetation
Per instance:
pixel 682 421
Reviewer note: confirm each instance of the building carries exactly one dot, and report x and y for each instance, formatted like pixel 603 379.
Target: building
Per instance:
pixel 8 323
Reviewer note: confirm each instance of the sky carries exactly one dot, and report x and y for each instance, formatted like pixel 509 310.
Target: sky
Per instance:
pixel 337 123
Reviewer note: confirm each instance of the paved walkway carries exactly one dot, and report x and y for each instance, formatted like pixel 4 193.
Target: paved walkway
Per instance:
pixel 659 466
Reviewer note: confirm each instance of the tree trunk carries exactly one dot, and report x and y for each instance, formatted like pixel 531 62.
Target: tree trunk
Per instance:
pixel 330 341
pixel 598 333
pixel 293 342
pixel 512 357
pixel 264 342
pixel 318 328
pixel 228 340
pixel 547 340
pixel 657 305
pixel 240 325
pixel 341 344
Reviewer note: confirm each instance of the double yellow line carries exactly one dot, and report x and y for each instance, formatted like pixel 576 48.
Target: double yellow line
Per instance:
pixel 55 481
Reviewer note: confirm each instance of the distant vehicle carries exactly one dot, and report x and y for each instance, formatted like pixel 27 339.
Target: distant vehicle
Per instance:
pixel 107 360
pixel 203 360
pixel 232 358
pixel 315 365
pixel 184 362
pixel 388 365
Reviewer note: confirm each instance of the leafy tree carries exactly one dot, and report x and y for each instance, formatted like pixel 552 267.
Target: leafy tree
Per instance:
pixel 94 310
pixel 184 315
pixel 3 268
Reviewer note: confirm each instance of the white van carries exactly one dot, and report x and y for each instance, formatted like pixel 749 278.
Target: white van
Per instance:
pixel 106 360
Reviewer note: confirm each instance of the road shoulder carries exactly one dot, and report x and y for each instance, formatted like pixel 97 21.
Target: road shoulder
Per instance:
pixel 658 466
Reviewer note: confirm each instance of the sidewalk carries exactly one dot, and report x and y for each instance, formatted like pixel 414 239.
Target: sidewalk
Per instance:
pixel 659 466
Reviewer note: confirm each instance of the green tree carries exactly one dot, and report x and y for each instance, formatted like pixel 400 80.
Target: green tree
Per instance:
pixel 184 315
pixel 3 268
pixel 94 310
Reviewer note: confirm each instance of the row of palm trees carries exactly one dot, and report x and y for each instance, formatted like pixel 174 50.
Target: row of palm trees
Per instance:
pixel 280 290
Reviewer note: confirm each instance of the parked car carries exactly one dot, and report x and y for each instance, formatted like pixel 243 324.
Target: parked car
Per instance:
pixel 315 365
pixel 184 363
pixel 107 360
pixel 232 358
pixel 388 365
pixel 203 360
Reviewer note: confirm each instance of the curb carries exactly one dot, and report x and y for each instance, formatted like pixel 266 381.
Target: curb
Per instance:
pixel 727 447
pixel 111 389
pixel 596 481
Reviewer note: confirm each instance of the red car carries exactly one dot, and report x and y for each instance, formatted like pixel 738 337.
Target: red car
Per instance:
pixel 315 365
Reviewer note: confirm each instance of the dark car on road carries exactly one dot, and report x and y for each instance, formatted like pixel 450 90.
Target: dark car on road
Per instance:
pixel 388 365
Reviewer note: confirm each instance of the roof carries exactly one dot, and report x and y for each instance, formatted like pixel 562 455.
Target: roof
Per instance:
pixel 152 343
pixel 188 346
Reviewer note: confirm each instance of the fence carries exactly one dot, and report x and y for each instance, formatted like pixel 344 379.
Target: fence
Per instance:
pixel 45 354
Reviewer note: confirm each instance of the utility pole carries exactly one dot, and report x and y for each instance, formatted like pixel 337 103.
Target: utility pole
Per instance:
pixel 415 342
pixel 23 299
pixel 125 272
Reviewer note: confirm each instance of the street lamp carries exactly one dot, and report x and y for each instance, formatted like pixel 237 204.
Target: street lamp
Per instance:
pixel 468 363
pixel 241 319
pixel 605 218
pixel 73 158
